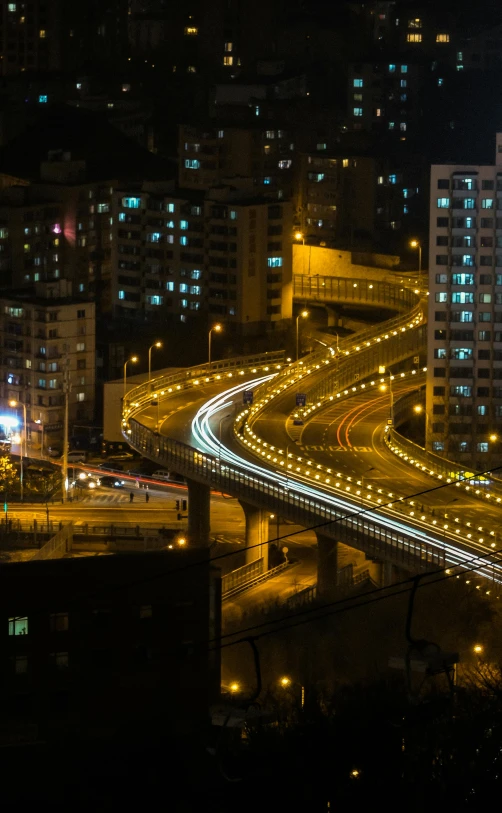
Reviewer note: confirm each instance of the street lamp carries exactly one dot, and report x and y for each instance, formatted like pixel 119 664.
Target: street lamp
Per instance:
pixel 134 359
pixel 299 235
pixel 223 418
pixel 217 328
pixel 303 315
pixel 156 344
pixel 14 404
pixel 417 244
pixel 286 683
pixel 39 422
pixel 383 387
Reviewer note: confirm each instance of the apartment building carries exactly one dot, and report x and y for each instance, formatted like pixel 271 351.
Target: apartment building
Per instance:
pixel 47 342
pixel 385 97
pixel 464 379
pixel 226 254
pixel 58 227
pixel 263 154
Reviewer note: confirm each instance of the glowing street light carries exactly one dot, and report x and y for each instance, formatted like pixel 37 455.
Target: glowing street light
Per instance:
pixel 478 649
pixel 417 244
pixel 302 315
pixel 158 345
pixel 217 329
pixel 15 404
pixel 133 359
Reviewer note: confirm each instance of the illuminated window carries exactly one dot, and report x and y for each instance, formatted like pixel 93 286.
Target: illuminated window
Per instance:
pixel 183 241
pixel 191 31
pixel 443 203
pixel 442 37
pixel 416 23
pixel 414 38
pixel 42 99
pixel 402 126
pixel 153 237
pixel 221 133
pixel 391 125
pixel 358 83
pixel 131 203
pixel 228 60
pixel 392 68
pixel 155 300
pixel 191 69
pixel 404 68
pixel 192 163
pixel 345 162
pixel 229 46
pixel 184 224
pixel 358 111
pixel 170 207
pixel 274 262
pixel 41 33
pixel 80 396
pixel 403 83
pixel 12 6
pixel 358 97
pixel 18 625
pixel 285 164
pixel 270 134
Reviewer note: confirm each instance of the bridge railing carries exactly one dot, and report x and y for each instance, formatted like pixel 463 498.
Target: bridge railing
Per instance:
pixel 163 386
pixel 374 535
pixel 363 291
pixel 482 486
pixel 374 338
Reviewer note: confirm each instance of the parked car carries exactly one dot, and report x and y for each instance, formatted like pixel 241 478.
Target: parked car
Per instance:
pixel 53 451
pixel 161 474
pixel 112 482
pixel 76 457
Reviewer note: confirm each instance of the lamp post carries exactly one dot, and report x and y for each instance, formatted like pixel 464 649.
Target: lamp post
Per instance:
pixel 223 418
pixel 286 683
pixel 134 359
pixel 39 422
pixel 417 244
pixel 217 329
pixel 303 315
pixel 300 236
pixel 23 443
pixel 156 344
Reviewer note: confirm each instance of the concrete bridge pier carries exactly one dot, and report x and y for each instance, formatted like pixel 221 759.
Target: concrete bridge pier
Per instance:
pixel 327 565
pixel 198 513
pixel 256 533
pixel 333 315
pixel 384 573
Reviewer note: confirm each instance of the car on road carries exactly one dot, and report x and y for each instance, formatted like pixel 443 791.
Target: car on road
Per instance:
pixel 112 482
pixel 161 474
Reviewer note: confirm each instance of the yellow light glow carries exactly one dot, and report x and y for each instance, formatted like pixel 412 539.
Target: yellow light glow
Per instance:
pixel 234 687
pixel 477 648
pixel 285 682
pixel 298 235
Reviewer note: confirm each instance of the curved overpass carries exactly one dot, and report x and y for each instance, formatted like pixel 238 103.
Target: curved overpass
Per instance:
pixel 329 506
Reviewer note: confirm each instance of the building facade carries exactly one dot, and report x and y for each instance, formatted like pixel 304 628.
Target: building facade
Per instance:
pixel 224 255
pixel 47 344
pixel 464 379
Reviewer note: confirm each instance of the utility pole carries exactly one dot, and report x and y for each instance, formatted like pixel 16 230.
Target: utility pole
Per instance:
pixel 66 391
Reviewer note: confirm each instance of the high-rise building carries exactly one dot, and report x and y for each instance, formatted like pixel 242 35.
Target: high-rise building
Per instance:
pixel 226 254
pixel 464 378
pixel 48 344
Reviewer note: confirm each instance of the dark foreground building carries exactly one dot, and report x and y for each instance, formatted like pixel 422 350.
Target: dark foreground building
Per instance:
pixel 101 658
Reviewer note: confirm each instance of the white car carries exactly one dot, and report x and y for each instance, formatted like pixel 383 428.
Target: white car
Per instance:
pixel 161 474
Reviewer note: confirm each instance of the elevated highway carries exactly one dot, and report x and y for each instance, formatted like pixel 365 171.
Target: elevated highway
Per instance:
pixel 308 492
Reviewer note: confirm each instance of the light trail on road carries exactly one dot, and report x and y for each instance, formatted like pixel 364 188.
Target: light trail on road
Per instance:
pixel 456 555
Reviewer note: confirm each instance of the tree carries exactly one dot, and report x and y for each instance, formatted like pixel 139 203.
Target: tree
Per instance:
pixel 8 474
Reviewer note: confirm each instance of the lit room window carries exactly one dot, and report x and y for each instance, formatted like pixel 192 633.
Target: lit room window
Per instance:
pixel 358 111
pixel 41 33
pixel 12 6
pixel 274 262
pixel 415 23
pixel 442 38
pixel 229 46
pixel 192 163
pixel 183 241
pixel 80 396
pixel 42 99
pixel 131 203
pixel 191 31
pixel 191 69
pixel 414 38
pixel 18 625
pixel 155 299
pixel 228 60
pixel 358 83
pixel 482 447
pixel 404 68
